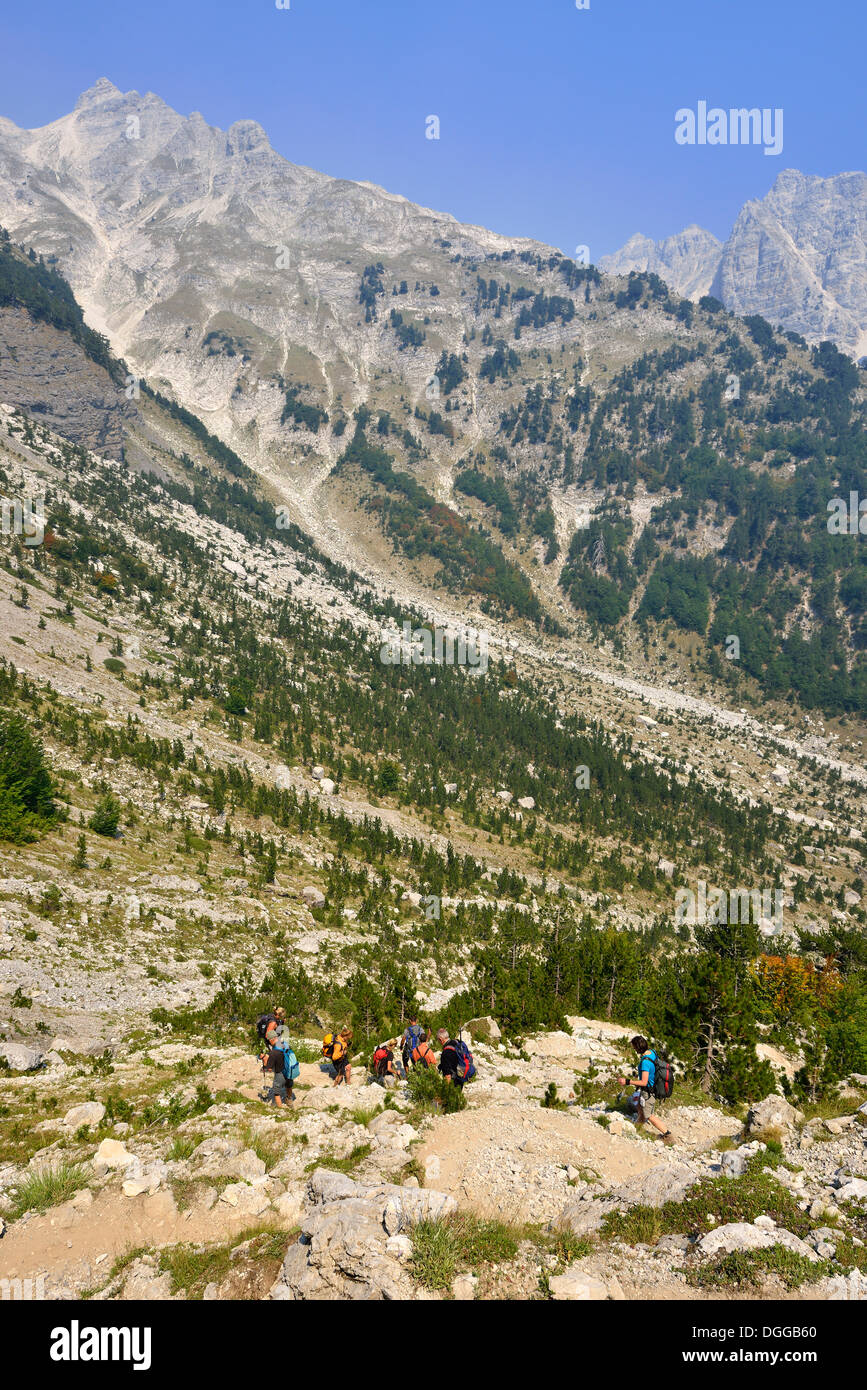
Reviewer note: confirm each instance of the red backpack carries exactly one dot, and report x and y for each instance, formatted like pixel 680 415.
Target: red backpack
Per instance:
pixel 381 1059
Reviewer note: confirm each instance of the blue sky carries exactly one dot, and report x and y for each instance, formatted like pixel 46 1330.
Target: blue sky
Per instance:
pixel 555 122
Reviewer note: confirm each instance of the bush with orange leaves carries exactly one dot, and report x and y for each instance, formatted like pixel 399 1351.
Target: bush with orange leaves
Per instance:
pixel 791 988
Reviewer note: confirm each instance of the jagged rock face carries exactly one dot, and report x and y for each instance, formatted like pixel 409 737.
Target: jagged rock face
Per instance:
pixel 46 373
pixel 799 256
pixel 169 230
pixel 687 261
pixel 350 1244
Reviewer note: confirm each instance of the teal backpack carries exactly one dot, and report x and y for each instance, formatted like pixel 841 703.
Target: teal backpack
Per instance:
pixel 291 1069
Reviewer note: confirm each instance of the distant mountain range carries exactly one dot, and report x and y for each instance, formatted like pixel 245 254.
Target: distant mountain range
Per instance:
pixel 797 256
pixel 448 413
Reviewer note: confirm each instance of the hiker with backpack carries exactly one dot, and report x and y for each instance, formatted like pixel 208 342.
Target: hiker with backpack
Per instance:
pixel 382 1063
pixel 335 1046
pixel 423 1054
pixel 283 1066
pixel 413 1034
pixel 456 1061
pixel 271 1026
pixel 654 1081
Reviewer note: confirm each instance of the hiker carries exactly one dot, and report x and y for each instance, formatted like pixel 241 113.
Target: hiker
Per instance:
pixel 282 1063
pixel 382 1063
pixel 413 1034
pixel 272 1026
pixel 423 1055
pixel 340 1057
pixel 456 1061
pixel 644 1096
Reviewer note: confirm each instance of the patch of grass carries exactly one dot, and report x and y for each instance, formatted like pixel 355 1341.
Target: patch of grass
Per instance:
pixel 851 1256
pixel 484 1241
pixel 434 1254
pixel 119 1265
pixel 564 1244
pixel 193 1267
pixel 461 1241
pixel 751 1266
pixel 341 1165
pixel 689 1093
pixel 825 1107
pixel 412 1169
pixel 42 1190
pixel 190 1065
pixel 183 1146
pixel 725 1199
pixel 639 1225
pixel 270 1149
pixel 361 1116
pixel 230 1098
pixel 772 1157
pixel 772 1136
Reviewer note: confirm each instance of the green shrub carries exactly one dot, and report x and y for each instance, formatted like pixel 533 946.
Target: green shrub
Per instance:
pixel 106 816
pixel 749 1266
pixel 431 1091
pixel 26 792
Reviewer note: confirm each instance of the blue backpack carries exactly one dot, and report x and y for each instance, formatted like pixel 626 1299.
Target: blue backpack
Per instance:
pixel 466 1058
pixel 414 1035
pixel 291 1069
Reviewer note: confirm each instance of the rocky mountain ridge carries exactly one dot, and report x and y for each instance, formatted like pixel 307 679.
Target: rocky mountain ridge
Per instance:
pixel 798 257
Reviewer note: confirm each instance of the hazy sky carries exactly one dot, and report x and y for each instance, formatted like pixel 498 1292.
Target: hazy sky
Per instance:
pixel 555 122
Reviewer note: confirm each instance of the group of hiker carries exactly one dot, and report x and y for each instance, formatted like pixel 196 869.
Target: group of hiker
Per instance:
pixel 390 1060
pixel 394 1058
pixel 414 1048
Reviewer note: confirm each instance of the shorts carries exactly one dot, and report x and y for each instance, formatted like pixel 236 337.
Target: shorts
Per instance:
pixel 646 1105
pixel 280 1087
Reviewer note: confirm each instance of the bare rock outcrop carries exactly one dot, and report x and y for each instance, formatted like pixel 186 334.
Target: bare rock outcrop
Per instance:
pixel 348 1246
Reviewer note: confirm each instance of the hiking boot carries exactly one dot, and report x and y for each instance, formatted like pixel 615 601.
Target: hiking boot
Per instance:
pixel 668 1137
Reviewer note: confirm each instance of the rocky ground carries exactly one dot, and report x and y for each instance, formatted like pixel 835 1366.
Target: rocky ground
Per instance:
pixel 154 1170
